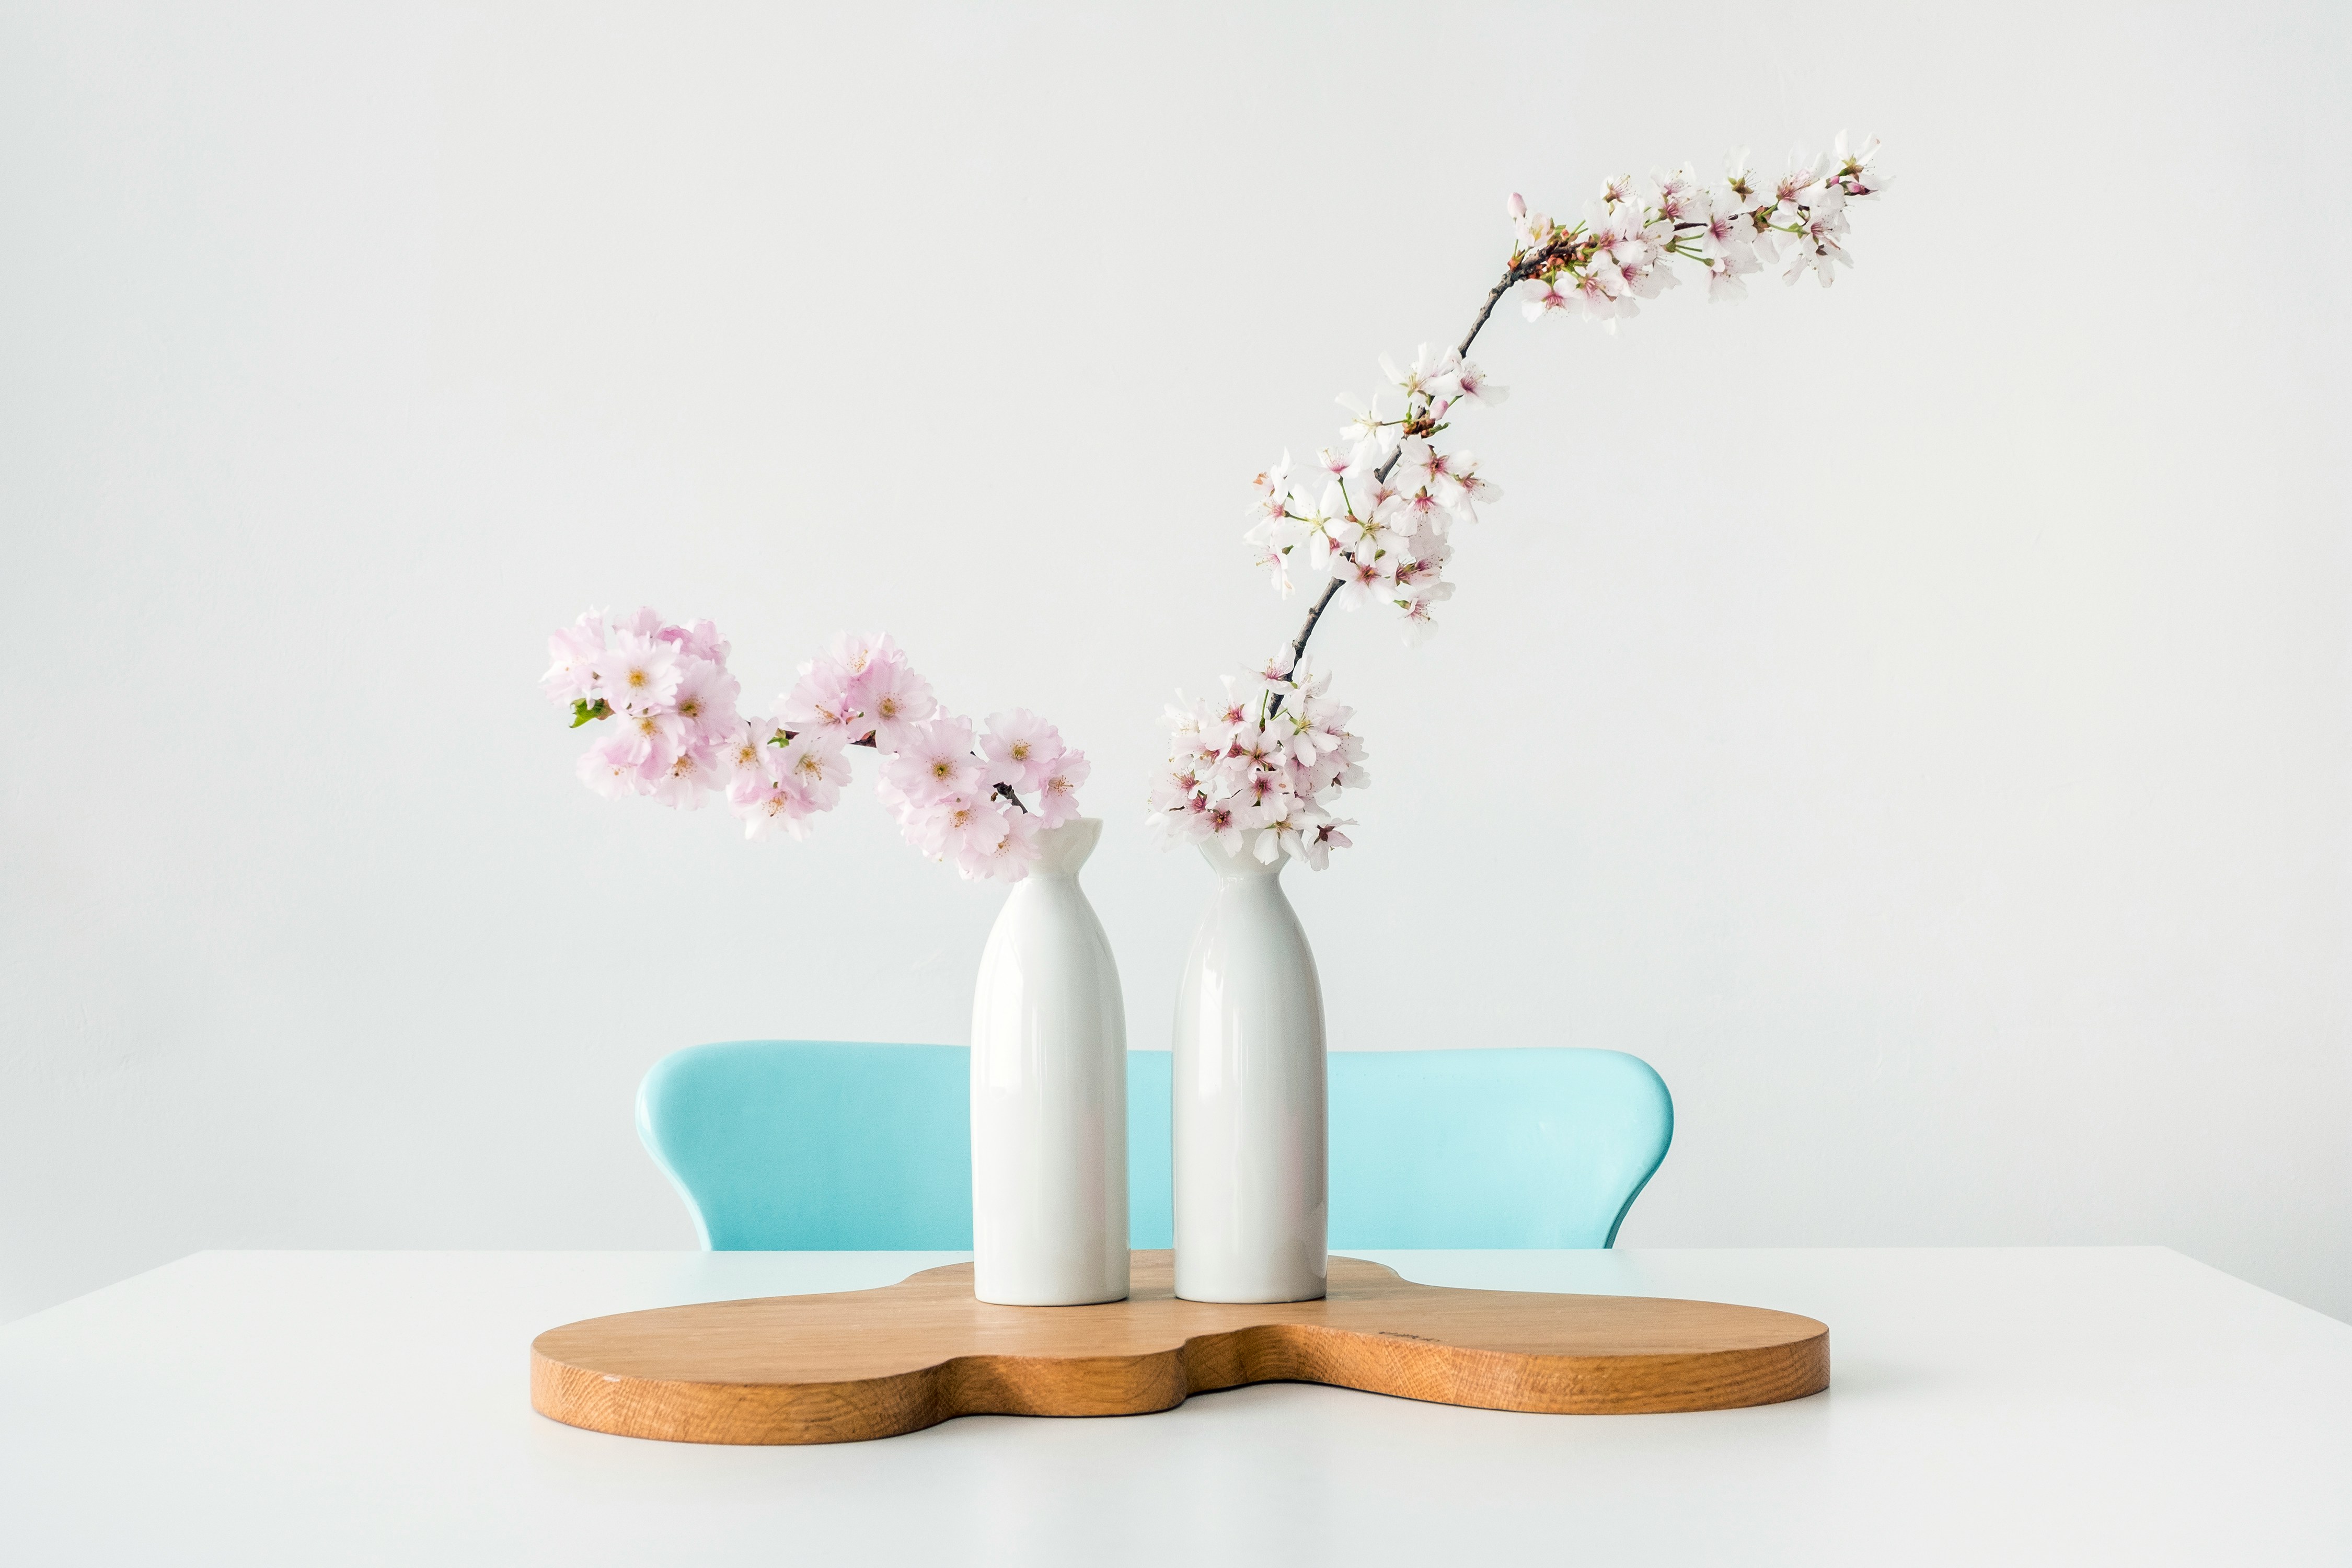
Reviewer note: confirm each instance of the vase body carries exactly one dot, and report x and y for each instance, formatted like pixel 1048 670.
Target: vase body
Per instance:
pixel 1250 1133
pixel 1049 1093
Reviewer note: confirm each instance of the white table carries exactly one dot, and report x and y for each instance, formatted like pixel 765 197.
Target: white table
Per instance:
pixel 1997 1407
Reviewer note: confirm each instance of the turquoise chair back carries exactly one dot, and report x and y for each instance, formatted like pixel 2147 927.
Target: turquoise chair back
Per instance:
pixel 1525 1146
pixel 818 1146
pixel 804 1145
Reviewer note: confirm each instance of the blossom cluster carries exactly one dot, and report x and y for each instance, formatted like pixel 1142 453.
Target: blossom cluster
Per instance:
pixel 1257 770
pixel 669 690
pixel 1380 531
pixel 679 737
pixel 957 795
pixel 1623 250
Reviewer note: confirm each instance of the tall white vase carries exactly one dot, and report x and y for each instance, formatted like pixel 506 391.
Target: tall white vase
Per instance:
pixel 1049 1093
pixel 1251 1155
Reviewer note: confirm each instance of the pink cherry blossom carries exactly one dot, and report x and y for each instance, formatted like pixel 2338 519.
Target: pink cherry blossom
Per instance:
pixel 814 765
pixel 705 701
pixel 822 699
pixel 650 737
pixel 1021 749
pixel 575 653
pixel 691 773
pixel 767 805
pixel 947 826
pixel 1058 797
pixel 933 761
pixel 852 656
pixel 1004 847
pixel 641 674
pixel 609 768
pixel 700 641
pixel 895 700
pixel 747 750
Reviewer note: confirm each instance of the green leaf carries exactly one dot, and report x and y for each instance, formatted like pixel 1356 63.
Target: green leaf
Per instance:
pixel 583 710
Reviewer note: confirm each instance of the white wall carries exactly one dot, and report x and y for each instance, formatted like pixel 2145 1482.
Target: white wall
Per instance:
pixel 1914 717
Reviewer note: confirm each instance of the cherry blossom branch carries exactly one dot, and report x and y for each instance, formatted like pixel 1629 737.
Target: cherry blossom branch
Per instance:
pixel 1515 273
pixel 1518 273
pixel 1379 524
pixel 1521 269
pixel 1602 263
pixel 786 737
pixel 679 737
pixel 1298 644
pixel 1512 275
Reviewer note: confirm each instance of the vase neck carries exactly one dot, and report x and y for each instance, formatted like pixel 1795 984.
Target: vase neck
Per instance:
pixel 1062 850
pixel 1237 864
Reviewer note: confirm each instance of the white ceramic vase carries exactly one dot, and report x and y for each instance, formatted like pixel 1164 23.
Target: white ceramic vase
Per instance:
pixel 1049 1093
pixel 1251 1155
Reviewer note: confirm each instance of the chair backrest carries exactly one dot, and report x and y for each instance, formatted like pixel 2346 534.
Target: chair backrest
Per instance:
pixel 1520 1146
pixel 810 1146
pixel 800 1144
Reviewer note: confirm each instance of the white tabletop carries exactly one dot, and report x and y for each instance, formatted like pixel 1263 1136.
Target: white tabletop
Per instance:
pixel 2012 1406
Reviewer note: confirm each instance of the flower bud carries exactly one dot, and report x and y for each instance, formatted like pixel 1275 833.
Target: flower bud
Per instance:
pixel 1517 207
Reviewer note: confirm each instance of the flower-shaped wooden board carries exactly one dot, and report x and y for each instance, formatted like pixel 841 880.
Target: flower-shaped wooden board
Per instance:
pixel 874 1363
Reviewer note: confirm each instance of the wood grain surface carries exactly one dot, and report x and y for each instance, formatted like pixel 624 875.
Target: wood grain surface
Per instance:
pixel 858 1365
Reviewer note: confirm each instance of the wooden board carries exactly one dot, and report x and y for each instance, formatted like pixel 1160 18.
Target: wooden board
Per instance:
pixel 857 1365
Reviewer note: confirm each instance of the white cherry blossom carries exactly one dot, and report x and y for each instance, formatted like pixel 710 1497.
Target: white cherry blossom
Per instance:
pixel 1471 382
pixel 1367 578
pixel 1539 295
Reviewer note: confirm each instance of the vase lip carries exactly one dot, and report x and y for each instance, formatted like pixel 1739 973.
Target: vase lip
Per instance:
pixel 1062 849
pixel 1238 860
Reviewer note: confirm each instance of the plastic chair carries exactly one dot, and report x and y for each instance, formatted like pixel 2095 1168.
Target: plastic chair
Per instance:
pixel 816 1145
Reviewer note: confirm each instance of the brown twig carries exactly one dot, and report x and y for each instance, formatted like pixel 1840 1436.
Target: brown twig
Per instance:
pixel 1518 273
